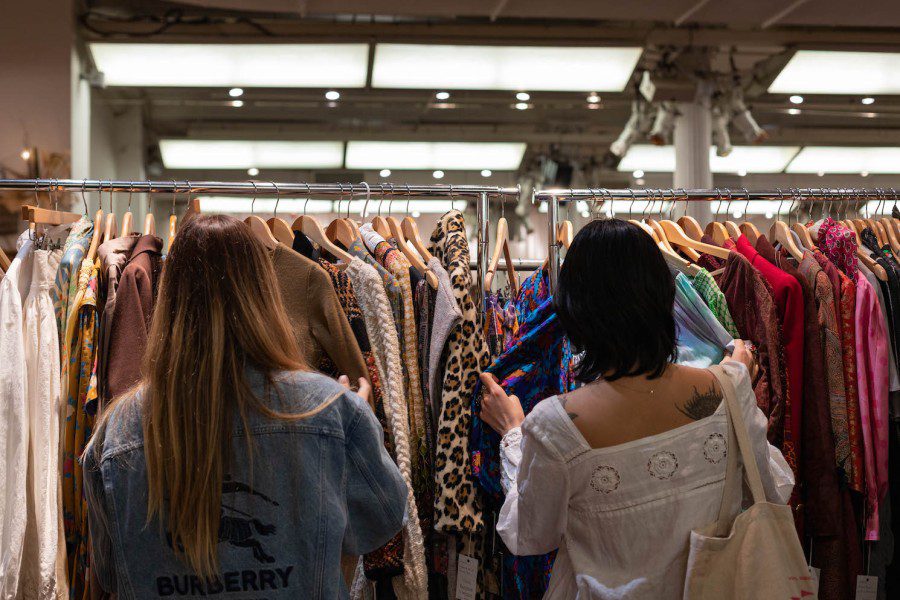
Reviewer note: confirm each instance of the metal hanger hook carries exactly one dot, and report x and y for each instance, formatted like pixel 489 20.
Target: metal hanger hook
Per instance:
pixel 631 206
pixel 365 211
pixel 83 199
pixel 780 203
pixel 252 202
pixel 174 195
pixel 307 199
pixel 277 198
pixel 130 195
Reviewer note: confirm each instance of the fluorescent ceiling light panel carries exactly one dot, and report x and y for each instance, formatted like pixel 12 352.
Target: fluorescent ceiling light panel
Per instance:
pixel 451 156
pixel 531 68
pixel 826 72
pixel 263 206
pixel 752 159
pixel 846 159
pixel 233 65
pixel 241 154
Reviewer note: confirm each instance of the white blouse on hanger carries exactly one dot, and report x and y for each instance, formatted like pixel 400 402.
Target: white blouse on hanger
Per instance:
pixel 622 516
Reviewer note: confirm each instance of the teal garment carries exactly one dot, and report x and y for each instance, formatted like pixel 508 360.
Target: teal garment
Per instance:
pixel 701 339
pixel 65 286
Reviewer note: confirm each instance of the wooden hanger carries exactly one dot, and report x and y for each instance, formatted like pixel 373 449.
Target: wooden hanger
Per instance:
pixel 312 229
pixel 128 219
pixel 780 233
pixel 414 259
pixel 565 233
pixel 676 235
pixel 4 261
pixel 259 227
pixel 411 232
pixel 862 253
pixel 691 227
pixel 502 245
pixel 278 227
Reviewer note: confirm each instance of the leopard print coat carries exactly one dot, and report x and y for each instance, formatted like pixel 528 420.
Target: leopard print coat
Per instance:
pixel 457 506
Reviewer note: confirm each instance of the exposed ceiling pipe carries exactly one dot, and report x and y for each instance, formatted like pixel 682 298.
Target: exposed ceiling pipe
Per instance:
pixel 690 12
pixel 782 13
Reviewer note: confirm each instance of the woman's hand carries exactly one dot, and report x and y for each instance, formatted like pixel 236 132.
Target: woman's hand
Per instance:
pixel 498 410
pixel 744 353
pixel 364 387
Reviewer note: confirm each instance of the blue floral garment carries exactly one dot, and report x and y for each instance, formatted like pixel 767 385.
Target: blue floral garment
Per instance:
pixel 536 364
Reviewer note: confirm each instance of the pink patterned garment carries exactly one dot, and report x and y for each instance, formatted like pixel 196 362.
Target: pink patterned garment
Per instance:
pixel 873 383
pixel 839 245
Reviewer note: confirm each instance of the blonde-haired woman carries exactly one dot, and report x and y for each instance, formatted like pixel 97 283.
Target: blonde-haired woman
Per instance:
pixel 231 468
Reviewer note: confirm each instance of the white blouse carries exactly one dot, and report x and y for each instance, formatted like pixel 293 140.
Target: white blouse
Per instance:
pixel 622 516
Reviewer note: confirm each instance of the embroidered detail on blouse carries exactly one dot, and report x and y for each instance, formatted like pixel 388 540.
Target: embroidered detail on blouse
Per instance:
pixel 605 479
pixel 662 465
pixel 715 448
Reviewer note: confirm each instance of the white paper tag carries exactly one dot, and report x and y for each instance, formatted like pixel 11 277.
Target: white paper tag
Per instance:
pixel 816 573
pixel 466 577
pixel 866 587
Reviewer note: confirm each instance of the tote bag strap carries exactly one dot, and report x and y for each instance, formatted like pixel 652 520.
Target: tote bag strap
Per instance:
pixel 738 439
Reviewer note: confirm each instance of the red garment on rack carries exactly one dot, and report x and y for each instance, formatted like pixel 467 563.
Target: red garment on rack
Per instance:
pixel 789 303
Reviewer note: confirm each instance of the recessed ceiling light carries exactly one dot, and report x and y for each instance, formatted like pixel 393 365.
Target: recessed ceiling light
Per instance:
pixel 821 173
pixel 593 98
pixel 793 111
pixel 252 171
pixel 585 214
pixel 737 214
pixel 237 103
pixel 769 214
pixel 637 174
pixel 235 92
pixel 438 174
pixel 332 95
pixel 416 214
pixel 864 174
pixel 25 154
pixel 742 172
pixel 868 100
pixel 486 173
pixel 522 105
pixel 442 95
pixel 232 65
pixel 523 96
pixel 796 99
pixel 385 173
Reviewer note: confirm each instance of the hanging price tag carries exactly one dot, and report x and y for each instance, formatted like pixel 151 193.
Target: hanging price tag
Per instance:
pixel 466 578
pixel 866 588
pixel 816 573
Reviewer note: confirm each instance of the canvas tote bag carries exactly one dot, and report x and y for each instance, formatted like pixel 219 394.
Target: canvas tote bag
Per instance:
pixel 758 555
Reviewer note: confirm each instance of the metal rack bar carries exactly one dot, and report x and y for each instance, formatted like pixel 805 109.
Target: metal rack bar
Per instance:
pixel 259 187
pixel 553 197
pixel 712 195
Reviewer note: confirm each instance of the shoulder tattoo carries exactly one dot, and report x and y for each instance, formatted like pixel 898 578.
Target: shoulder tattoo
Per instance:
pixel 701 404
pixel 562 402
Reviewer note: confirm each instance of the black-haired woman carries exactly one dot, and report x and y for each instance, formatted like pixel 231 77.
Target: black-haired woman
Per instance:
pixel 617 473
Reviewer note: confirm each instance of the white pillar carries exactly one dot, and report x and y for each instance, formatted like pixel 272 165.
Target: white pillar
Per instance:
pixel 692 140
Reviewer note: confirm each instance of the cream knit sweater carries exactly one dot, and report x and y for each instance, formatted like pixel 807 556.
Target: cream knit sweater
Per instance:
pixel 376 310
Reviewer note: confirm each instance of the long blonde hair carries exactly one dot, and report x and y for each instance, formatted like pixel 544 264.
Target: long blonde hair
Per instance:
pixel 218 311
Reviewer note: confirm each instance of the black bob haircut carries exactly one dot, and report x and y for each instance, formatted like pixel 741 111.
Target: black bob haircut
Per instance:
pixel 614 301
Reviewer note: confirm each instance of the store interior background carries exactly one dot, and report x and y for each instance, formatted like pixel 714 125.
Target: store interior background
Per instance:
pixel 62 117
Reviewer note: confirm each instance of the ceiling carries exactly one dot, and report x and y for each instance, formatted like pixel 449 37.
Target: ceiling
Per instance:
pixel 682 40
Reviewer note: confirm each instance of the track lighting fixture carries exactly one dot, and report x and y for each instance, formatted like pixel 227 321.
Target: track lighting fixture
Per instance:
pixel 743 120
pixel 663 124
pixel 638 124
pixel 720 137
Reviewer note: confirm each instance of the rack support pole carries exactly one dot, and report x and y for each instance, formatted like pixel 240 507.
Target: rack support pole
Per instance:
pixel 553 247
pixel 482 213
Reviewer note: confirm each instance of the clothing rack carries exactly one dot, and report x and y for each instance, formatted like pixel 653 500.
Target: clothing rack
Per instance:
pixel 553 197
pixel 483 194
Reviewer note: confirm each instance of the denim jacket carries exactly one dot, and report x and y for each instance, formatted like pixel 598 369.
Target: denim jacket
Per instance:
pixel 318 487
